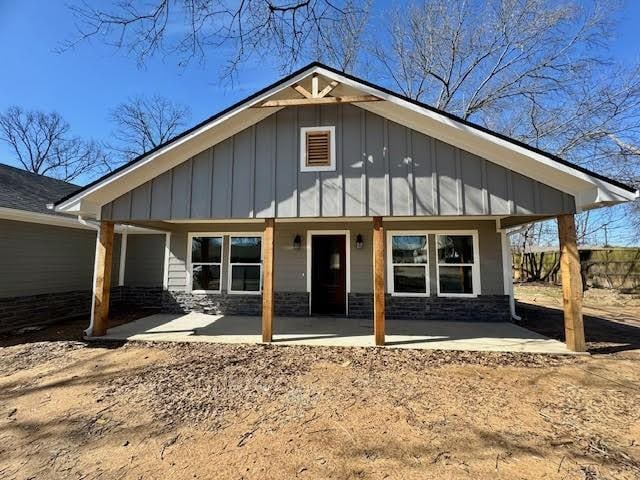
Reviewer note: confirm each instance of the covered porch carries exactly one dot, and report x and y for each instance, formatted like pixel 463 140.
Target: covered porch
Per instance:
pixel 337 332
pixel 383 324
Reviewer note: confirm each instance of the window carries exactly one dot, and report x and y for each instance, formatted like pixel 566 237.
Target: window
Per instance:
pixel 206 261
pixel 457 265
pixel 409 273
pixel 317 149
pixel 245 264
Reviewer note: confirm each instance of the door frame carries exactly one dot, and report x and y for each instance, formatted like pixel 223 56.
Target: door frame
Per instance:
pixel 347 241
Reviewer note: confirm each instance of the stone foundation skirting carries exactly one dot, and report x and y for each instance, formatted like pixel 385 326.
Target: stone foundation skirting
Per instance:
pixel 291 304
pixel 485 308
pixel 32 310
pixel 26 311
pixel 138 297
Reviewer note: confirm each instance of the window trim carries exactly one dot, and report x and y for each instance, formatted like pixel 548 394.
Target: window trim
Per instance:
pixel 332 149
pixel 475 266
pixel 230 265
pixel 190 263
pixel 390 264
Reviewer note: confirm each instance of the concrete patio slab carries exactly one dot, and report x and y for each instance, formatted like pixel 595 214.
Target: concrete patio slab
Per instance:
pixel 343 332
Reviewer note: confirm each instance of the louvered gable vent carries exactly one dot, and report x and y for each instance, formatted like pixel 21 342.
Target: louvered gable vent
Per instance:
pixel 318 149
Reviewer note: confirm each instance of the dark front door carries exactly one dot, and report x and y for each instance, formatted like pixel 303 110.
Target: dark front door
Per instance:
pixel 328 274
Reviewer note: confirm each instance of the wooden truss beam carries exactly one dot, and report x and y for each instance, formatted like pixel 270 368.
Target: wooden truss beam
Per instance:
pixel 288 102
pixel 317 96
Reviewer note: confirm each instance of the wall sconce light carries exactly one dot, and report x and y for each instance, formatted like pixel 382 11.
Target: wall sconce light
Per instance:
pixel 359 242
pixel 297 242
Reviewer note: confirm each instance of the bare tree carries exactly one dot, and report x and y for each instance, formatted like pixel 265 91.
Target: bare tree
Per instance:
pixel 470 57
pixel 536 70
pixel 286 30
pixel 41 143
pixel 143 123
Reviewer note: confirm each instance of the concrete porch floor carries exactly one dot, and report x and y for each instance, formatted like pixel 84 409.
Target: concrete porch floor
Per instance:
pixel 343 332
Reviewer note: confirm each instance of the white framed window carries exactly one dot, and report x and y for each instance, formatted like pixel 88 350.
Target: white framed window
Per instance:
pixel 408 263
pixel 458 264
pixel 317 149
pixel 245 263
pixel 205 263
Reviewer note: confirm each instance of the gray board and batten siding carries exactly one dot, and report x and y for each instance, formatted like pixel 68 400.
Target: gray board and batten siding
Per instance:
pixel 382 169
pixel 40 259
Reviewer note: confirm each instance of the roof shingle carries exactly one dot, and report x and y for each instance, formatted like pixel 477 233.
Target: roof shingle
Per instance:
pixel 31 192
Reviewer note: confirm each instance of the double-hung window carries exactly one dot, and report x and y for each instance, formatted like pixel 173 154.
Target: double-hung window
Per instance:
pixel 457 265
pixel 206 264
pixel 245 264
pixel 409 268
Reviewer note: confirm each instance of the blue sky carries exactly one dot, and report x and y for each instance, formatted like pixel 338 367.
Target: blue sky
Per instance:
pixel 84 84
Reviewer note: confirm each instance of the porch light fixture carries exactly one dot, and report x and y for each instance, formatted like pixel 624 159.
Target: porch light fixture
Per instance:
pixel 297 242
pixel 359 242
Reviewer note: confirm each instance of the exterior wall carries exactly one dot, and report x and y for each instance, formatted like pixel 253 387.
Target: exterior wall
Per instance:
pixel 290 273
pixel 47 272
pixel 382 169
pixel 41 259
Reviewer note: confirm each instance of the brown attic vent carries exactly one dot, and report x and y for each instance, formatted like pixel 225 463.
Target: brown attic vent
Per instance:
pixel 318 149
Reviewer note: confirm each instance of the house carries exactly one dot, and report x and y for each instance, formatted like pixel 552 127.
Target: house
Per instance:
pixel 47 258
pixel 325 194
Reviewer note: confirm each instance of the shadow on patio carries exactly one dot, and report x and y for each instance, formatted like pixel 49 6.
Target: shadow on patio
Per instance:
pixel 606 332
pixel 334 331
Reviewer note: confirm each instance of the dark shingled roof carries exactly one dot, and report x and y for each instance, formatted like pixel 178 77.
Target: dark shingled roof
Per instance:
pixel 31 192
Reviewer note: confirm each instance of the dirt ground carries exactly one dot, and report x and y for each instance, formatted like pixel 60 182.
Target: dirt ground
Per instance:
pixel 143 411
pixel 611 319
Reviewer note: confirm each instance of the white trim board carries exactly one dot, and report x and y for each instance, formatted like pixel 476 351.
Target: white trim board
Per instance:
pixel 44 219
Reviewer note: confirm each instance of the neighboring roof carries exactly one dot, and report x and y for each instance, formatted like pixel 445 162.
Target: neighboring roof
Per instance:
pixel 454 121
pixel 22 190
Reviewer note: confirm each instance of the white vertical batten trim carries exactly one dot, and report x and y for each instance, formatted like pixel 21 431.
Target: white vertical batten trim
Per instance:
pixel 123 258
pixel 167 251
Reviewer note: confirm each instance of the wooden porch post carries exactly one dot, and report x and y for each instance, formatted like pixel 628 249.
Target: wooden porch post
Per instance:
pixel 267 282
pixel 102 287
pixel 378 280
pixel 571 283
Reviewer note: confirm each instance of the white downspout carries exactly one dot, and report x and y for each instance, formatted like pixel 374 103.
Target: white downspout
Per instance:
pixel 507 272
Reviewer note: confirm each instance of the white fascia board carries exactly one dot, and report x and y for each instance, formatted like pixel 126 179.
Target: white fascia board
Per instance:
pixel 498 150
pixel 42 218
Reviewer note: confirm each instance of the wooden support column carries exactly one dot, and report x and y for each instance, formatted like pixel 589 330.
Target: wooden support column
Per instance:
pixel 378 280
pixel 267 282
pixel 571 283
pixel 102 287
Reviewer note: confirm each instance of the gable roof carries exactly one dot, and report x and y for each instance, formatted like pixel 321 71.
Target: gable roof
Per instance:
pixel 30 192
pixel 591 188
